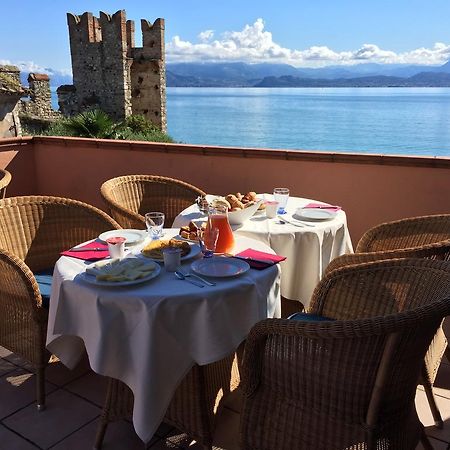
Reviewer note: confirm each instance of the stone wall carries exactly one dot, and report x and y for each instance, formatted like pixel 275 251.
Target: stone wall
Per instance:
pixel 11 91
pixel 113 75
pixel 148 75
pixel 39 106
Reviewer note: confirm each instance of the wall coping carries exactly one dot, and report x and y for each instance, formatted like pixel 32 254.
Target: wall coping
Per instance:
pixel 236 152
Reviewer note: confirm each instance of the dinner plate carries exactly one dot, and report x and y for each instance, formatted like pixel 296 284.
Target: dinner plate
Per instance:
pixel 314 214
pixel 220 267
pixel 195 250
pixel 91 279
pixel 132 236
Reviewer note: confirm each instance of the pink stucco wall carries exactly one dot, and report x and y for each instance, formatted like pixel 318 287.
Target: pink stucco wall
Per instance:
pixel 371 189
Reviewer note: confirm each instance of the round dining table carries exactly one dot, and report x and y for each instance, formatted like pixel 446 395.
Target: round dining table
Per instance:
pixel 148 335
pixel 308 245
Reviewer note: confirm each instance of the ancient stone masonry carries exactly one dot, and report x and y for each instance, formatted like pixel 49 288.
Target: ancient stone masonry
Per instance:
pixel 109 72
pixel 11 91
pixel 39 106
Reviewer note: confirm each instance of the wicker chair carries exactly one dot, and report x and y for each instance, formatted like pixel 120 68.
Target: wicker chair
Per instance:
pixel 33 232
pixel 5 179
pixel 418 237
pixel 194 405
pixel 346 383
pixel 130 197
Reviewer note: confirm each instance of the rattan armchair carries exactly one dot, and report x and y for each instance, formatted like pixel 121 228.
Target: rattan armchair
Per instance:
pixel 129 197
pixel 5 179
pixel 194 405
pixel 33 232
pixel 418 237
pixel 348 383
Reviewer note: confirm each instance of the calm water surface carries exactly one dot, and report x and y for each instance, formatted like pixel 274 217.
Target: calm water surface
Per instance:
pixel 369 120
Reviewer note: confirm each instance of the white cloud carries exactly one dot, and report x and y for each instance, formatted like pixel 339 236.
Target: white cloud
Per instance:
pixel 32 67
pixel 255 44
pixel 206 35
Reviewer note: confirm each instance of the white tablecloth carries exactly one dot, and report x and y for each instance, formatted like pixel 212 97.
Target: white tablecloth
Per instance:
pixel 308 249
pixel 149 335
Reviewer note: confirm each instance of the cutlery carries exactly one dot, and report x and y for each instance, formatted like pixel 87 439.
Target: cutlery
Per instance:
pixel 296 223
pixel 180 276
pixel 91 249
pixel 207 282
pixel 249 258
pixel 322 207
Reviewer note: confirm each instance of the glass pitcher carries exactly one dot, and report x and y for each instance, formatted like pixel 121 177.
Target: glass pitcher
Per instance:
pixel 218 218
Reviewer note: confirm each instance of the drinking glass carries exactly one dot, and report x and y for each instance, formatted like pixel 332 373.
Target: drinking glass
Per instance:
pixel 281 195
pixel 208 241
pixel 154 222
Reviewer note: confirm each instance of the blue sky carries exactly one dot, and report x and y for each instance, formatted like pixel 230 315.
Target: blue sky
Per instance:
pixel 301 33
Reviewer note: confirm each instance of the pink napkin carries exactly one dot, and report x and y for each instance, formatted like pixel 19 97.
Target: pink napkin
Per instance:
pixel 90 255
pixel 323 206
pixel 251 254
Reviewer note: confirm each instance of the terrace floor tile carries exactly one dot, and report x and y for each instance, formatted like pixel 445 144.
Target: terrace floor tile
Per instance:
pixel 65 413
pixel 18 390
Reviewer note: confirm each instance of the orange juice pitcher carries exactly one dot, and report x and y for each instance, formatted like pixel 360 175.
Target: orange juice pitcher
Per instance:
pixel 218 218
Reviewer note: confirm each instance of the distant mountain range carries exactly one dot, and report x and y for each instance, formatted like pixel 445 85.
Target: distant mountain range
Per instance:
pixel 241 74
pixel 284 75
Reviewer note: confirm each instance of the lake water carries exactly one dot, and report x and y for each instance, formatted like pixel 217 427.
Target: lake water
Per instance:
pixel 368 120
pixel 406 121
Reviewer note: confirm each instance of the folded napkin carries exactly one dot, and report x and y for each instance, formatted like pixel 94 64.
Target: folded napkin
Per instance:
pixel 251 255
pixel 89 255
pixel 323 206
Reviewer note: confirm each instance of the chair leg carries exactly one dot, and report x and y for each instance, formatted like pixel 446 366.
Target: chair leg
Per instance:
pixel 432 402
pixel 40 388
pixel 426 444
pixel 101 430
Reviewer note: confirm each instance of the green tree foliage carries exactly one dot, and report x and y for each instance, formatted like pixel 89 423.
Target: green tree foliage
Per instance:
pixel 97 124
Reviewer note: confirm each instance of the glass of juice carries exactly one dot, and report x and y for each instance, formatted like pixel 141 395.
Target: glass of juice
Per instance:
pixel 208 241
pixel 218 218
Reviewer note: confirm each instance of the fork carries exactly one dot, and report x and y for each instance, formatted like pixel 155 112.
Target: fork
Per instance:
pixel 207 282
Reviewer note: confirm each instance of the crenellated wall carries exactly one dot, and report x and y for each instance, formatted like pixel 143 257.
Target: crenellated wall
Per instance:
pixel 109 72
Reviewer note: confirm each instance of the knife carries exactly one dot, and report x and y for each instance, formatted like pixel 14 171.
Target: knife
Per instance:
pixel 91 249
pixel 296 223
pixel 249 258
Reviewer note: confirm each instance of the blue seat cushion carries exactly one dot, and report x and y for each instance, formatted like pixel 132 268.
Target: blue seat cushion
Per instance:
pixel 44 280
pixel 309 317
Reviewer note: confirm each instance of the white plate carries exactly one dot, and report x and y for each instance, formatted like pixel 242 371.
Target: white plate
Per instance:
pixel 132 236
pixel 195 250
pixel 92 280
pixel 315 214
pixel 220 267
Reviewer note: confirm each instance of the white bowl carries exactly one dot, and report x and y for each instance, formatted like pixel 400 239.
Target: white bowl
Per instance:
pixel 239 217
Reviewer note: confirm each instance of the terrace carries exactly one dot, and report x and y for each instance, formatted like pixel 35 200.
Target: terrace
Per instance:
pixel 371 189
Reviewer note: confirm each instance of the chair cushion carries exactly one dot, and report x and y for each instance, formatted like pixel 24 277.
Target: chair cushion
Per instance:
pixel 44 280
pixel 309 317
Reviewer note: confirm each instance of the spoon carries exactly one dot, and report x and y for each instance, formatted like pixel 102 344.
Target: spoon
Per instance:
pixel 180 276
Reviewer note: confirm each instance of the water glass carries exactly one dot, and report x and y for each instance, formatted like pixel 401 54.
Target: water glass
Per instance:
pixel 208 241
pixel 155 223
pixel 172 258
pixel 281 195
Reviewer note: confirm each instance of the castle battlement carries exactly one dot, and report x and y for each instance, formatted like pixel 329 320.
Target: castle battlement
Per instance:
pixel 109 72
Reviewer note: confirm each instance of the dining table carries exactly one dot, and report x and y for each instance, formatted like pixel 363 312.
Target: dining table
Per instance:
pixel 308 244
pixel 150 334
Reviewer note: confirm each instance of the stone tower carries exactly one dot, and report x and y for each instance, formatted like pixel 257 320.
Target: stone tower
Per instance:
pixel 109 72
